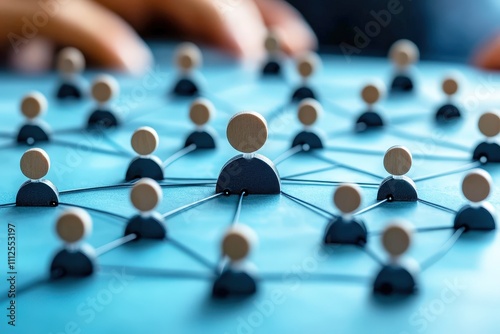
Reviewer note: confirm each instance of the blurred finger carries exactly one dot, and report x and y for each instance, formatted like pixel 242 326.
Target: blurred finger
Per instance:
pixel 488 55
pixel 102 36
pixel 236 26
pixel 295 33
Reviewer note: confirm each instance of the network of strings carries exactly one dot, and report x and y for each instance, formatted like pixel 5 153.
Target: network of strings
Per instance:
pixel 300 179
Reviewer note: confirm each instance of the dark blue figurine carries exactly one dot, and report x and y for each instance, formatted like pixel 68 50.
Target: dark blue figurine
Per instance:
pixel 449 111
pixel 396 277
pixel 145 195
pixel 249 172
pixel 272 67
pixel 489 150
pixel 35 164
pixel 370 119
pixel 403 53
pixel 75 259
pixel 34 130
pixel 200 113
pixel 236 279
pixel 346 229
pixel 144 142
pixel 104 89
pixel 308 113
pixel 188 58
pixel 70 63
pixel 479 215
pixel 306 66
pixel 397 187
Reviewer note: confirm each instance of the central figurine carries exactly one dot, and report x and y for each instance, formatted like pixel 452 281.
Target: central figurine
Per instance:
pixel 248 172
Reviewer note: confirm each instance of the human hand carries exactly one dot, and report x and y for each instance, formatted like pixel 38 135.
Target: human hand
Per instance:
pixel 106 31
pixel 487 56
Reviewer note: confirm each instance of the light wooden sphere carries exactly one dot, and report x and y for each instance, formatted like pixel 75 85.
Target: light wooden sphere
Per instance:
pixel 347 198
pixel 70 61
pixel 476 185
pixel 450 85
pixel 247 131
pixel 73 225
pixel 272 42
pixel 404 53
pixel 307 64
pixel 396 238
pixel 372 92
pixel 145 140
pixel 238 242
pixel 309 111
pixel 33 105
pixel 188 56
pixel 201 111
pixel 398 160
pixel 146 194
pixel 35 163
pixel 489 124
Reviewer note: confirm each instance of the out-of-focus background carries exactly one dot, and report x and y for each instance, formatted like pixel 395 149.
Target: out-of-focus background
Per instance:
pixel 443 29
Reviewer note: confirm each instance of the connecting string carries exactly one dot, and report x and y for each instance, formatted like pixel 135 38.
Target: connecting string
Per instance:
pixel 419 230
pixel 279 110
pixel 7 205
pixel 80 190
pixel 437 206
pixel 424 156
pixel 181 185
pixel 309 206
pixel 237 213
pixel 179 154
pixel 68 130
pixel 116 145
pixel 289 153
pixel 191 205
pixel 197 257
pixel 164 273
pixel 325 169
pixel 450 172
pixel 443 250
pixel 371 207
pixel 343 111
pixel 115 244
pixel 317 277
pixel 354 150
pixel 89 148
pixel 422 138
pixel 324 182
pixel 189 179
pixel 371 254
pixel 317 156
pixel 8 145
pixel 226 105
pixel 132 118
pixel 406 118
pixel 95 210
pixel 27 287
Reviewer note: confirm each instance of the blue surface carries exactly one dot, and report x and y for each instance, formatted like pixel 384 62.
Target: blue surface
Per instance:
pixel 458 293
